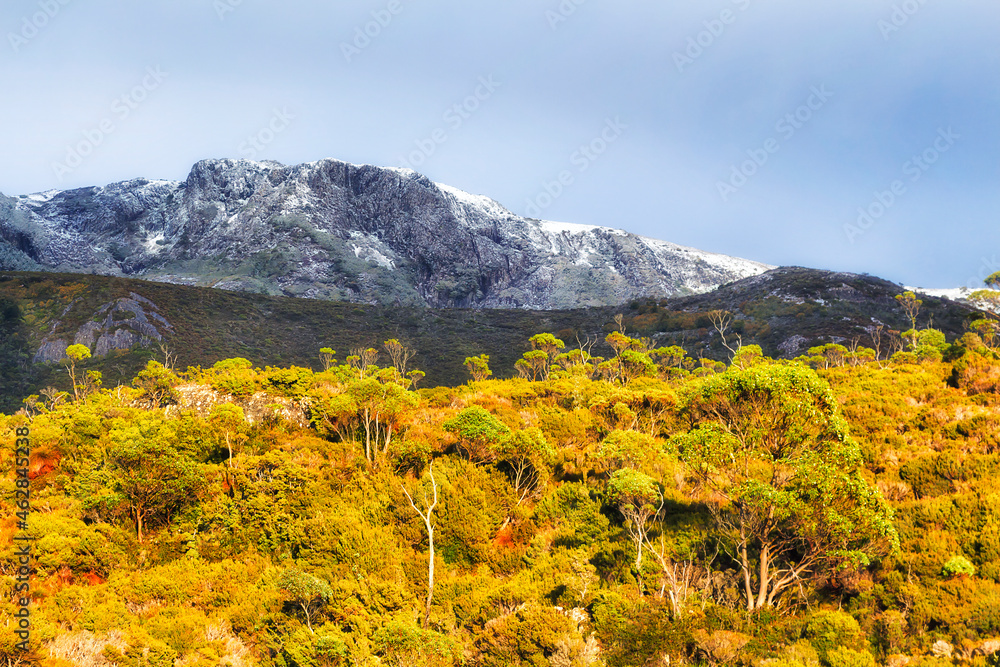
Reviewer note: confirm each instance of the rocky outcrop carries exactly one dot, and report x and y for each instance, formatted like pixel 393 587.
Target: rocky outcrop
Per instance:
pixel 334 230
pixel 119 325
pixel 259 407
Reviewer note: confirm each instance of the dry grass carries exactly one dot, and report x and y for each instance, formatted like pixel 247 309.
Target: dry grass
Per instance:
pixel 234 652
pixel 85 649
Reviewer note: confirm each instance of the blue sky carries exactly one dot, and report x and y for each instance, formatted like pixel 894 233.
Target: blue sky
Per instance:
pixel 856 135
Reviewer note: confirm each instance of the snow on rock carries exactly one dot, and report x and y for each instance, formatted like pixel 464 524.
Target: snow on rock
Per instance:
pixel 568 227
pixel 300 230
pixel 953 293
pixel 42 197
pixel 480 201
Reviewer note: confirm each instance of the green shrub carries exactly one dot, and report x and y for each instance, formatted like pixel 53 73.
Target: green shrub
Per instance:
pixel 293 382
pixel 525 637
pixel 799 654
pixel 233 376
pixel 958 566
pixel 830 630
pixel 845 657
pixel 400 643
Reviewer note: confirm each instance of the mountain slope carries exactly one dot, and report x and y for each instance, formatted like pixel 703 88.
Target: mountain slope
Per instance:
pixel 785 311
pixel 333 230
pixel 790 309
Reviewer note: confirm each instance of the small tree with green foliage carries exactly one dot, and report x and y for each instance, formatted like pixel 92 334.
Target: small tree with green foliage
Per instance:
pixel 478 432
pixel 630 361
pixel 234 376
pixel 669 360
pixel 379 407
pixel 326 357
pixel 230 421
pixel 637 497
pixel 479 367
pixel 75 354
pixel 831 355
pixel 310 593
pixel 528 456
pixel 157 383
pixel 415 376
pixel 910 304
pixel 625 449
pixel 148 477
pixel 533 364
pixel 544 349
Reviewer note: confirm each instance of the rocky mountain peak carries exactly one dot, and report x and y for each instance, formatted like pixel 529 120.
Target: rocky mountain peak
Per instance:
pixel 333 230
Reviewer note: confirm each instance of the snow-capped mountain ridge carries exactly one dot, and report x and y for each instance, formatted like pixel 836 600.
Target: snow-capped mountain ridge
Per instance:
pixel 329 229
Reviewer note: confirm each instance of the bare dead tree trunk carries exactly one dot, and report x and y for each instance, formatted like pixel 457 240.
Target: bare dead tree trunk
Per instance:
pixel 721 320
pixel 429 525
pixel 368 436
pixel 853 349
pixel 676 580
pixel 169 358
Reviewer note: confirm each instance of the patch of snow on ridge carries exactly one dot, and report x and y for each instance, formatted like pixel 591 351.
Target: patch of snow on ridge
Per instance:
pixel 42 197
pixel 953 293
pixel 746 267
pixel 482 201
pixel 404 171
pixel 567 227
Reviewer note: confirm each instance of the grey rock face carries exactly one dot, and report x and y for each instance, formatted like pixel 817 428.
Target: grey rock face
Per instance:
pixel 51 350
pixel 333 230
pixel 119 325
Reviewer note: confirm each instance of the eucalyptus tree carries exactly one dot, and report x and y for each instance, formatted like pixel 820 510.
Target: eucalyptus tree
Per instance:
pixel 773 460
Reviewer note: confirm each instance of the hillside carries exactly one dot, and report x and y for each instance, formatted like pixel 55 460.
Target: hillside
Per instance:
pixel 790 309
pixel 785 311
pixel 336 231
pixel 602 516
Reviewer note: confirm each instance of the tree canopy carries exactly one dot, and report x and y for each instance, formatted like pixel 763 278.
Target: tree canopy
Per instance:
pixel 837 509
pixel 772 454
